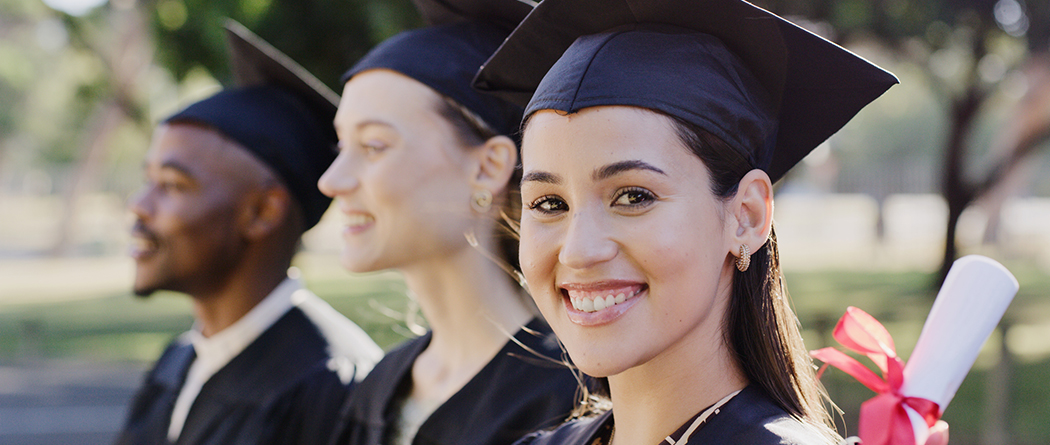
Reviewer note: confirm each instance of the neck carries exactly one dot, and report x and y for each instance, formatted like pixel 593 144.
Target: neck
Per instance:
pixel 216 309
pixel 656 398
pixel 472 308
pixel 469 303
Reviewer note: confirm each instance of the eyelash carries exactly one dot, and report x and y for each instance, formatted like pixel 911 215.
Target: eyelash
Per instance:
pixel 645 198
pixel 538 202
pixel 372 148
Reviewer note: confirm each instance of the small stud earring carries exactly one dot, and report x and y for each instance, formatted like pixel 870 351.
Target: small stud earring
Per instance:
pixel 744 261
pixel 481 200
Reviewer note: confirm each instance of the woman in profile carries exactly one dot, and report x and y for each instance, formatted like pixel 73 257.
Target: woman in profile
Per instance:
pixel 653 133
pixel 424 176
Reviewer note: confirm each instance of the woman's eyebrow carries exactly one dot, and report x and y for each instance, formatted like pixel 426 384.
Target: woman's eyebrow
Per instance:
pixel 541 176
pixel 610 170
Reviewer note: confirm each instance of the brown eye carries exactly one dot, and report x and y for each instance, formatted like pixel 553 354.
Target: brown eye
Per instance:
pixel 549 204
pixel 633 197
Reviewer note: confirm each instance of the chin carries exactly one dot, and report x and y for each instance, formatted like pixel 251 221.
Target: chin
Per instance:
pixel 141 291
pixel 142 286
pixel 356 265
pixel 597 363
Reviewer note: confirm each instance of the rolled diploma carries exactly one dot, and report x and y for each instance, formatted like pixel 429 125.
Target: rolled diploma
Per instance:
pixel 968 307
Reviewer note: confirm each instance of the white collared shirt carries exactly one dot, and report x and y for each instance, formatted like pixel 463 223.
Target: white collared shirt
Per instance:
pixel 213 353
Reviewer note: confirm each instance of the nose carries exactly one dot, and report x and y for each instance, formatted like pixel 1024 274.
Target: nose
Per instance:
pixel 141 203
pixel 588 240
pixel 340 177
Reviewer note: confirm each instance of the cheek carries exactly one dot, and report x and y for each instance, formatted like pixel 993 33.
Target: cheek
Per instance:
pixel 203 221
pixel 684 256
pixel 538 252
pixel 422 178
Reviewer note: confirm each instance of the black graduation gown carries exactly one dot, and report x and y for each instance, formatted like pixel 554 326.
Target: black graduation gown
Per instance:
pixel 514 394
pixel 279 390
pixel 749 418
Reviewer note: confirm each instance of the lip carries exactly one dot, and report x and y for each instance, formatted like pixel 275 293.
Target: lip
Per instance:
pixel 143 244
pixel 357 222
pixel 633 293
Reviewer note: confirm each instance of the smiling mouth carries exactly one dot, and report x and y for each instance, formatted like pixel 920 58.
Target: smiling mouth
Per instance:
pixel 358 220
pixel 143 243
pixel 594 301
pixel 141 247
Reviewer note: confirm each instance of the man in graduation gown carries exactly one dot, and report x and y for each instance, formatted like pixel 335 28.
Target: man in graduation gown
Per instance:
pixel 231 187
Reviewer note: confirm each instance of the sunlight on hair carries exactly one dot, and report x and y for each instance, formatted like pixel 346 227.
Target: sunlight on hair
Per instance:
pixel 472 239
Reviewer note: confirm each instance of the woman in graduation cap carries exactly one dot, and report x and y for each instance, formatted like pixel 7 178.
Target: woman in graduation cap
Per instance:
pixel 653 133
pixel 424 175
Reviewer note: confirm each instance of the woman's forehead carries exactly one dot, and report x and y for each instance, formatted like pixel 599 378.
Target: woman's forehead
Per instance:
pixel 594 138
pixel 384 95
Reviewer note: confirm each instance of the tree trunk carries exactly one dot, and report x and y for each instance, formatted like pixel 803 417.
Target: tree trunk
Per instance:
pixel 956 191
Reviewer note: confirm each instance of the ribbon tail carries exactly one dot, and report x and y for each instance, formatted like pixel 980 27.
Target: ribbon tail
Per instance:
pixel 851 366
pixel 883 421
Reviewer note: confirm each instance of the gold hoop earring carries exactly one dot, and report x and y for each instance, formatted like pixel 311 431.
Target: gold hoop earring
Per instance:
pixel 744 261
pixel 481 200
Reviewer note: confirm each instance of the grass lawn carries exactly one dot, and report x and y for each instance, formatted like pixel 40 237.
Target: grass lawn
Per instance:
pixel 119 327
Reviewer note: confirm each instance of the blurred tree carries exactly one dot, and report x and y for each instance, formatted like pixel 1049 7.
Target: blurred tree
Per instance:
pixel 325 36
pixel 89 94
pixel 970 49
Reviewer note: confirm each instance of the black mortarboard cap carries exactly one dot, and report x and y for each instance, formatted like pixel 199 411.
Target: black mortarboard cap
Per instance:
pixel 279 112
pixel 446 58
pixel 768 88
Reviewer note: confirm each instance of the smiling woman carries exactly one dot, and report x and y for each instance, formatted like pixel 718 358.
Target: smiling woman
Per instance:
pixel 622 223
pixel 425 175
pixel 652 138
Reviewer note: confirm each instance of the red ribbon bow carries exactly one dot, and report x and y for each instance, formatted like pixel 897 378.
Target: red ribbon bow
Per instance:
pixel 883 420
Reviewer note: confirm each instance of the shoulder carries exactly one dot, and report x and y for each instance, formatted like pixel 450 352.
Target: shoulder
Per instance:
pixel 380 384
pixel 531 372
pixel 168 370
pixel 752 417
pixel 348 344
pixel 400 358
pixel 290 356
pixel 576 431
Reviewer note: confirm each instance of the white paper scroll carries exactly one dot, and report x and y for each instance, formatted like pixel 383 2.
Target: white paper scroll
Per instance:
pixel 968 307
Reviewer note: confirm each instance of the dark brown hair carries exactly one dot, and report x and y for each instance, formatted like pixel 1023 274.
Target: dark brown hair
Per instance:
pixel 761 329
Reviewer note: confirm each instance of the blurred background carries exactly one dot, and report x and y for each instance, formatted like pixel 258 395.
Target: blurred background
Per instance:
pixel 952 161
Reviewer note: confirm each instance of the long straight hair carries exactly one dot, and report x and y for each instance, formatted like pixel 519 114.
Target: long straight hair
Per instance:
pixel 761 329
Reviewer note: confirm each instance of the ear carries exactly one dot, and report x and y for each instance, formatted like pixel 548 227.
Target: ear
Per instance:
pixel 266 211
pixel 496 160
pixel 749 218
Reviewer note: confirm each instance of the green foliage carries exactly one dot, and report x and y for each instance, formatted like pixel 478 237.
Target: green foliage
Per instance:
pixel 891 20
pixel 325 36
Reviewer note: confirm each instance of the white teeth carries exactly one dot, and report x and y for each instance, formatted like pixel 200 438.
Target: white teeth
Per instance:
pixel 598 303
pixel 358 219
pixel 142 244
